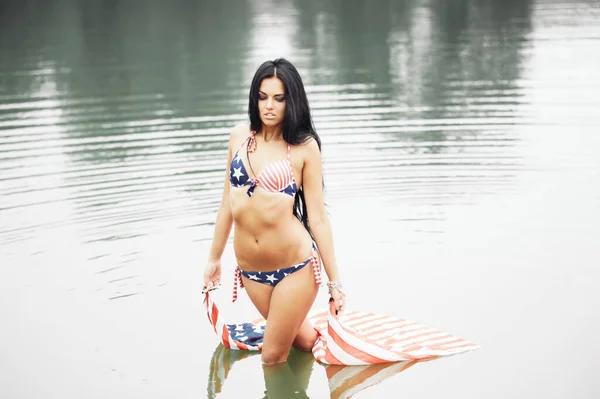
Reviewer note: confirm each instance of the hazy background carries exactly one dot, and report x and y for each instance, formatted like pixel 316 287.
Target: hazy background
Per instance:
pixel 461 147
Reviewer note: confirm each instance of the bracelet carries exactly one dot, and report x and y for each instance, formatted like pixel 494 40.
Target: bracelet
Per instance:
pixel 335 285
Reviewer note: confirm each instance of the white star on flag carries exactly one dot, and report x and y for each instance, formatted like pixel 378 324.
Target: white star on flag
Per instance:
pixel 238 173
pixel 272 278
pixel 253 277
pixel 237 158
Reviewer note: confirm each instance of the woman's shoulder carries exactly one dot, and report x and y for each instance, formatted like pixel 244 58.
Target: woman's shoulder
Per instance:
pixel 239 133
pixel 241 129
pixel 309 144
pixel 309 149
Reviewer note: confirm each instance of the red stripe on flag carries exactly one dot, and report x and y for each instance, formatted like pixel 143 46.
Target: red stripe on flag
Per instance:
pixel 225 337
pixel 241 345
pixel 352 351
pixel 330 359
pixel 417 338
pixel 327 358
pixel 214 317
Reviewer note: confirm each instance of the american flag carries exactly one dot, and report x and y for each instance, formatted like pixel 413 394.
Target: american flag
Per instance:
pixel 355 338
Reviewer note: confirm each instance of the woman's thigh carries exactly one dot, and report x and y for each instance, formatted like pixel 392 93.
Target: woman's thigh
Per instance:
pixel 260 295
pixel 289 304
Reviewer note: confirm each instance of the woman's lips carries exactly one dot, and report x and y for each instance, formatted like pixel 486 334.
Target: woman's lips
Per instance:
pixel 270 116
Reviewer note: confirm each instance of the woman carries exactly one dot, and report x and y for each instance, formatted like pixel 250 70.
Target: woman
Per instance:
pixel 273 193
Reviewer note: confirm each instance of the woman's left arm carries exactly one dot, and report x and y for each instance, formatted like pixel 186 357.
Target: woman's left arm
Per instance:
pixel 312 185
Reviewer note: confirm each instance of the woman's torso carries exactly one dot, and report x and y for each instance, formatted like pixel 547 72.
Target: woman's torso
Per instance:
pixel 267 236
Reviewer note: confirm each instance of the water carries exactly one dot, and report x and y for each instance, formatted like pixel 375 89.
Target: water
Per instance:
pixel 460 147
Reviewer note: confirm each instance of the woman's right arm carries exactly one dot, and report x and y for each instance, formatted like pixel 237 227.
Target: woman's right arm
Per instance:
pixel 224 219
pixel 223 224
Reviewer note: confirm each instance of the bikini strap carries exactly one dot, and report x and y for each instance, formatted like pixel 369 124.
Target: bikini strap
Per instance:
pixel 252 142
pixel 237 281
pixel 314 260
pixel 251 139
pixel 289 159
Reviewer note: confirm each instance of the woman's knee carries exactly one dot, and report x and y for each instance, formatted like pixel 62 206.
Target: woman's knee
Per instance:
pixel 271 356
pixel 305 342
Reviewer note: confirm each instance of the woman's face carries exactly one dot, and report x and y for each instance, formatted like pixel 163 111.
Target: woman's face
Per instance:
pixel 271 101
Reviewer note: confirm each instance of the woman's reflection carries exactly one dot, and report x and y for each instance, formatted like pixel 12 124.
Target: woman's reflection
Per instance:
pixel 290 379
pixel 285 380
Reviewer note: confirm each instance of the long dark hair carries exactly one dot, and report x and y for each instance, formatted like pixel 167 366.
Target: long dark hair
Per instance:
pixel 297 123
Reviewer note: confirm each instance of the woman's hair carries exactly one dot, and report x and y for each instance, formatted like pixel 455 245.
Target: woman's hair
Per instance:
pixel 297 123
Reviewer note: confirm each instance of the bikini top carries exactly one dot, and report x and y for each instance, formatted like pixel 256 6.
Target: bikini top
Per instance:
pixel 276 177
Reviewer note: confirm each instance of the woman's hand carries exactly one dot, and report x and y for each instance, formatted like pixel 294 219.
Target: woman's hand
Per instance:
pixel 339 300
pixel 212 275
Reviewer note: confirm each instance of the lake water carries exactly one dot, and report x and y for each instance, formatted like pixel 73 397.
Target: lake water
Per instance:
pixel 461 145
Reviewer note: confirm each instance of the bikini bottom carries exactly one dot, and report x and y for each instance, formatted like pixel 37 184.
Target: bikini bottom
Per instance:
pixel 274 277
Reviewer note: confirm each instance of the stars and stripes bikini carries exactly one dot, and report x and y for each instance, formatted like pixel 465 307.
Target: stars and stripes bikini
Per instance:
pixel 277 176
pixel 274 277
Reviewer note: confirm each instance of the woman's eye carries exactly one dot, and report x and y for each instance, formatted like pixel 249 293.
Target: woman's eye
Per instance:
pixel 280 99
pixel 262 98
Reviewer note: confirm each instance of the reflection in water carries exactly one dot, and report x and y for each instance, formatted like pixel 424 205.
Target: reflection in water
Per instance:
pixel 291 379
pixel 273 34
pixel 286 380
pixel 429 93
pixel 346 381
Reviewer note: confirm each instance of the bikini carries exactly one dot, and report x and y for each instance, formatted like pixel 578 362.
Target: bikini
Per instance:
pixel 276 177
